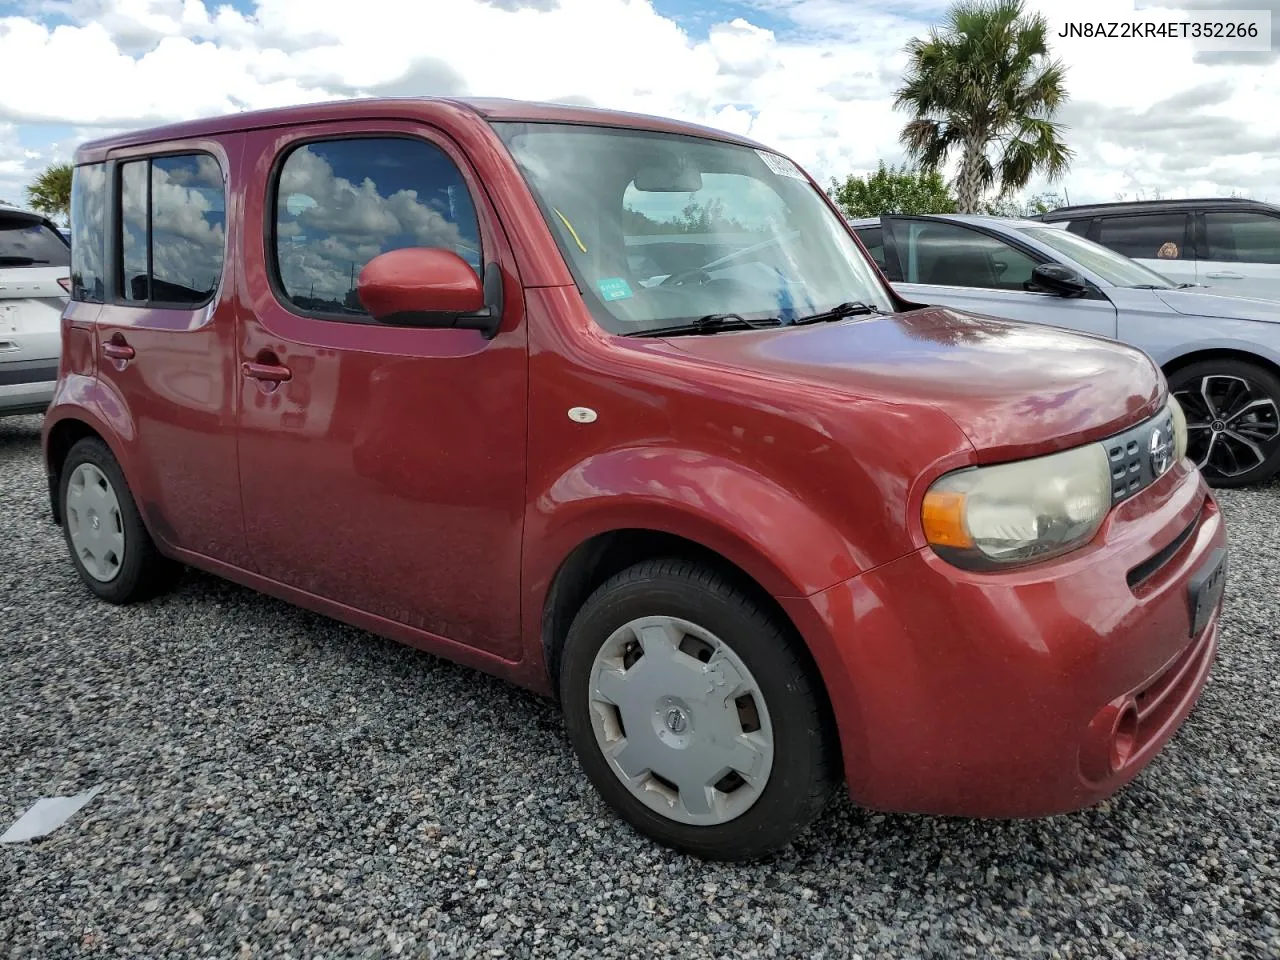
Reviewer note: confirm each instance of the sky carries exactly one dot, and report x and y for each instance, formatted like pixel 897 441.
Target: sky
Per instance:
pixel 812 78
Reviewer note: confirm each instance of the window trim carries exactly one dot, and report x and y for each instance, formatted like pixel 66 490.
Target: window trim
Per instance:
pixel 116 273
pixel 1094 291
pixel 1190 236
pixel 271 249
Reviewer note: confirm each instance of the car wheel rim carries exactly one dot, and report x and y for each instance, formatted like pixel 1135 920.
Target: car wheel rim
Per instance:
pixel 94 522
pixel 1232 424
pixel 681 721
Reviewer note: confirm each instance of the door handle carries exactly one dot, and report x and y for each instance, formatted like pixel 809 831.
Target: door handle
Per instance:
pixel 266 372
pixel 117 350
pixel 1224 275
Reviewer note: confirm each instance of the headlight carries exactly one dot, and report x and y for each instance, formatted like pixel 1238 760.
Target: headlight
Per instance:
pixel 1021 512
pixel 1179 429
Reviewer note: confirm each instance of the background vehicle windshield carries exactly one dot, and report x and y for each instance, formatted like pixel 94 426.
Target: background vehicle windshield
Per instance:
pixel 1109 265
pixel 660 229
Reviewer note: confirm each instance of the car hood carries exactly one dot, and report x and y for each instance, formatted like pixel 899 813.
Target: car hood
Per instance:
pixel 1014 389
pixel 1203 303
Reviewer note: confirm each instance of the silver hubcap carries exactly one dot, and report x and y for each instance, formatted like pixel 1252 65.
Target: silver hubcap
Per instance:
pixel 93 519
pixel 681 720
pixel 1232 425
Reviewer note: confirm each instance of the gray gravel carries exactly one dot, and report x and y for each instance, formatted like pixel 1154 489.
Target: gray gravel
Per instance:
pixel 281 785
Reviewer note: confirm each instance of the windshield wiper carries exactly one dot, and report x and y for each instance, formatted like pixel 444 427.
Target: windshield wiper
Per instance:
pixel 711 323
pixel 850 308
pixel 20 261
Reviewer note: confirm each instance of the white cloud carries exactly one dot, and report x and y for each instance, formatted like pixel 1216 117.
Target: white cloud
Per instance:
pixel 1144 114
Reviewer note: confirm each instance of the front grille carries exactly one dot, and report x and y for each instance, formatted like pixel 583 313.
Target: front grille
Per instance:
pixel 1139 456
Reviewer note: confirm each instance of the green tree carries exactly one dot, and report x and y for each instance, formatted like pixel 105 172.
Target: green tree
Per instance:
pixel 893 190
pixel 1022 207
pixel 1142 193
pixel 50 193
pixel 984 84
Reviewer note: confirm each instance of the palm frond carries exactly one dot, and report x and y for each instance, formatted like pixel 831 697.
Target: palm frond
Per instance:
pixel 985 77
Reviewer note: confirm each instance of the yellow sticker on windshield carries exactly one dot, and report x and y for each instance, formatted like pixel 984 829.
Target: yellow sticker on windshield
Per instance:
pixel 574 233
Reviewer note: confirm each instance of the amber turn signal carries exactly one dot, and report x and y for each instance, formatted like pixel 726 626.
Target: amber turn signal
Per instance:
pixel 943 518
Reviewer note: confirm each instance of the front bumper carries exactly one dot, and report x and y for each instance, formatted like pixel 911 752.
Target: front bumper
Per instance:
pixel 1028 692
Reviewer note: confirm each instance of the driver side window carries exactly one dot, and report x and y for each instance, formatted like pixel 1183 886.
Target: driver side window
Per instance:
pixel 951 255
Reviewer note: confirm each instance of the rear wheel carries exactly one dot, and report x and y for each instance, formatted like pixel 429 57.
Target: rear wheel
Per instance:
pixel 1233 420
pixel 109 545
pixel 694 714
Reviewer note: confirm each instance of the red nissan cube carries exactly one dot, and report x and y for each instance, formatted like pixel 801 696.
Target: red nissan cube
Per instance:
pixel 618 409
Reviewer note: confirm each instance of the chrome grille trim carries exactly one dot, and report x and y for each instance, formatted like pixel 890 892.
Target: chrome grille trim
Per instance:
pixel 1139 456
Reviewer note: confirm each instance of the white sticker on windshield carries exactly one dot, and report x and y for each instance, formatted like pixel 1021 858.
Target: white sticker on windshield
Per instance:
pixel 780 165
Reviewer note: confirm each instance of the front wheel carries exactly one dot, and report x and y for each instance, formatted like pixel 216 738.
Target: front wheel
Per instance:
pixel 1233 420
pixel 694 714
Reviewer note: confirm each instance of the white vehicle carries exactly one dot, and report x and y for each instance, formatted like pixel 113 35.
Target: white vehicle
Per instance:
pixel 1230 245
pixel 35 280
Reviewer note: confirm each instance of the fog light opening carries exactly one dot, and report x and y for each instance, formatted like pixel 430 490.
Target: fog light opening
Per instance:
pixel 1124 737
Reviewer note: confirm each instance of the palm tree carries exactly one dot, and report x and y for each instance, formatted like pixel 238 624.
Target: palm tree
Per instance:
pixel 50 193
pixel 985 83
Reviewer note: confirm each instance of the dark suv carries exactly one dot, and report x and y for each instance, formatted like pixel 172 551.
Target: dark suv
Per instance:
pixel 1230 244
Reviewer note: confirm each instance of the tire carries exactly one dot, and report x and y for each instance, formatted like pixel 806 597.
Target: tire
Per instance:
pixel 139 571
pixel 683 605
pixel 1232 385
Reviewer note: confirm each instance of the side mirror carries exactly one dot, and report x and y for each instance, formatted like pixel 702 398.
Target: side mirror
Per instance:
pixel 1057 279
pixel 431 287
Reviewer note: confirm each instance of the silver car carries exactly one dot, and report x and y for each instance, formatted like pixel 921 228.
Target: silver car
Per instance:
pixel 35 270
pixel 1221 354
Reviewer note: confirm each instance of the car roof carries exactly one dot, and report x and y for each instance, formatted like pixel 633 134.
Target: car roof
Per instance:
pixel 1120 207
pixel 488 108
pixel 10 210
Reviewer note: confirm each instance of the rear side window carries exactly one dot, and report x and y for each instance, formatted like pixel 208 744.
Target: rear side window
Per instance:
pixel 88 232
pixel 1242 237
pixel 30 243
pixel 1149 236
pixel 172 230
pixel 340 203
pixel 135 285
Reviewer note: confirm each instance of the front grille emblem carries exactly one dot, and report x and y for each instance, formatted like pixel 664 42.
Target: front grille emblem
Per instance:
pixel 1160 449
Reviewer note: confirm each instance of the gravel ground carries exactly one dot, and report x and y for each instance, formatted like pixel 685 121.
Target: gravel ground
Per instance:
pixel 281 785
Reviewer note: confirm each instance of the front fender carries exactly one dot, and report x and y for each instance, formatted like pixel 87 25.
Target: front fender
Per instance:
pixel 765 529
pixel 755 523
pixel 1171 350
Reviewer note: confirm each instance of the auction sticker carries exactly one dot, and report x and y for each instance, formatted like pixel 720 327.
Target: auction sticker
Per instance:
pixel 781 165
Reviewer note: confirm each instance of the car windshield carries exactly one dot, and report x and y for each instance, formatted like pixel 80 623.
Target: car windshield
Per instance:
pixel 25 242
pixel 662 229
pixel 1113 267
